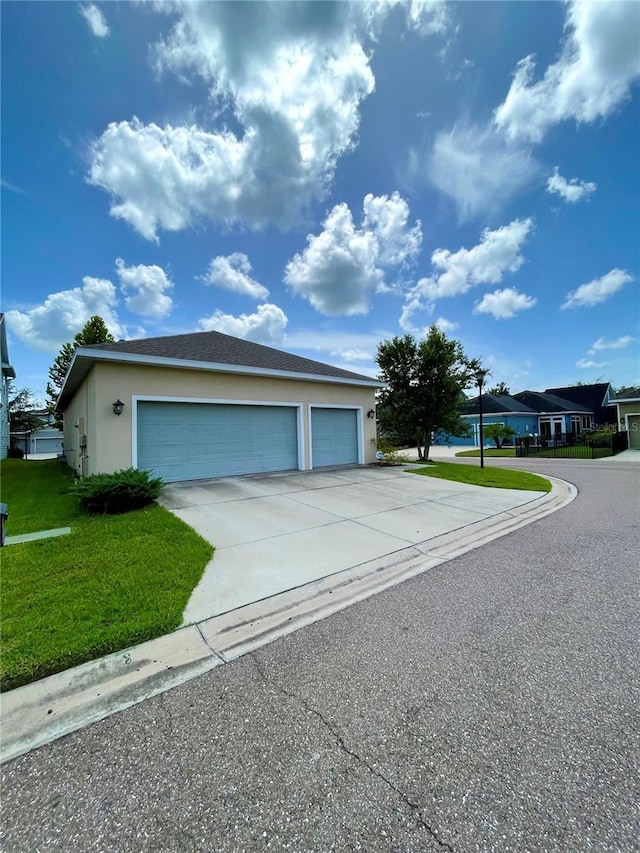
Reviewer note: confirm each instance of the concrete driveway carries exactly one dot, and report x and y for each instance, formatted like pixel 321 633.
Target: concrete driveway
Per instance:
pixel 280 531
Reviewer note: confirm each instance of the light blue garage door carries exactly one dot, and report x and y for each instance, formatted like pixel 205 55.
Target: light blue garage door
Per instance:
pixel 189 441
pixel 334 437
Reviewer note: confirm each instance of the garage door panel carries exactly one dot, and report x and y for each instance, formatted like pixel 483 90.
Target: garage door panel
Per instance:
pixel 334 437
pixel 181 441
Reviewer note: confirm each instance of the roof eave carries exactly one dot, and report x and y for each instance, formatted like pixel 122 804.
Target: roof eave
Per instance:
pixel 84 358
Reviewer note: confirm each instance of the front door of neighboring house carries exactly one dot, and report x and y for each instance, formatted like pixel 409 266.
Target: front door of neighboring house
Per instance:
pixel 551 427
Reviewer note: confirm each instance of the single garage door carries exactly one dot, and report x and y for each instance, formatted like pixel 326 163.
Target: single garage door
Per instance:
pixel 633 426
pixel 189 441
pixel 47 445
pixel 334 437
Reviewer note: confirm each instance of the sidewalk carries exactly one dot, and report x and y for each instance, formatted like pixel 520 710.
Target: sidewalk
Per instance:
pixel 48 709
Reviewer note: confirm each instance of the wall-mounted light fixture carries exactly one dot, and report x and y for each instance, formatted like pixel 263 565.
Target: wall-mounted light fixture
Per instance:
pixel 371 413
pixel 118 406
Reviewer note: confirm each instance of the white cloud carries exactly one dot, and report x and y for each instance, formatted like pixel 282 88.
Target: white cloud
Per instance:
pixel 266 326
pixel 323 340
pixel 428 17
pixel 618 343
pixel 145 289
pixel 585 363
pixel 350 355
pixel 598 64
pixel 231 272
pixel 62 315
pixel 570 190
pixel 505 303
pixel 476 168
pixel 445 326
pixel 95 19
pixel 454 273
pixel 292 82
pixel 343 265
pixel 598 290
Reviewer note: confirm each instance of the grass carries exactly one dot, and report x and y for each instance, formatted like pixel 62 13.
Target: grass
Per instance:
pixel 114 581
pixel 490 451
pixel 497 478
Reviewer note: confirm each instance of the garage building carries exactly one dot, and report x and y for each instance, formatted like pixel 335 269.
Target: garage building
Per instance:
pixel 202 405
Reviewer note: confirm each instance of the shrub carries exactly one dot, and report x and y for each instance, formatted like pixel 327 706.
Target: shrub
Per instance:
pixel 111 494
pixel 15 453
pixel 391 454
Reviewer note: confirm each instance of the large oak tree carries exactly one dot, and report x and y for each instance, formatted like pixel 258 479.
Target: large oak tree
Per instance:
pixel 426 380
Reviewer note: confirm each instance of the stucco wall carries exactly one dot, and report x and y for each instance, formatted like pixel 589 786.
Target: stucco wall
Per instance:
pixel 110 439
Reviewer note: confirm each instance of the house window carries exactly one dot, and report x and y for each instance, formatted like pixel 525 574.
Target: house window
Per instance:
pixel 586 422
pixel 545 427
pixel 576 424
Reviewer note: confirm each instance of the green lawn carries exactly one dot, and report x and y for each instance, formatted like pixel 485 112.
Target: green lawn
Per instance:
pixel 498 478
pixel 490 451
pixel 114 581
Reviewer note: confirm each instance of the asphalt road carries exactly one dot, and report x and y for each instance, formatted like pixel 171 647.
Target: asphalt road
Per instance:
pixel 490 704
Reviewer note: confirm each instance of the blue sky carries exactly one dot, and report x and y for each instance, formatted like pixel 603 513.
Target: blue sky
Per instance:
pixel 320 177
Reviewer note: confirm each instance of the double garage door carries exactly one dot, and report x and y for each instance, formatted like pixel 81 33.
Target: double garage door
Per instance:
pixel 189 441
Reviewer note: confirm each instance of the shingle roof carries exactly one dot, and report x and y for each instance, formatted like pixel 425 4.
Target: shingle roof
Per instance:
pixel 206 351
pixel 216 348
pixel 543 402
pixel 591 396
pixel 496 404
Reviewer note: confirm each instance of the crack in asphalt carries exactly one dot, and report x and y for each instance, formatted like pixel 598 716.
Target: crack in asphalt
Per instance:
pixel 415 807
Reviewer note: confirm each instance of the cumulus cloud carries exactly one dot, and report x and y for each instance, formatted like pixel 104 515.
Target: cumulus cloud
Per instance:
pixel 95 19
pixel 618 343
pixel 146 289
pixel 343 265
pixel 454 273
pixel 292 78
pixel 446 326
pixel 231 272
pixel 63 314
pixel 598 64
pixel 477 168
pixel 266 326
pixel 503 304
pixel 570 190
pixel 598 290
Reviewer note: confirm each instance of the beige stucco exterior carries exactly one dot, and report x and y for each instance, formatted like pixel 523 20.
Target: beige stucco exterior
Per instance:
pixel 111 440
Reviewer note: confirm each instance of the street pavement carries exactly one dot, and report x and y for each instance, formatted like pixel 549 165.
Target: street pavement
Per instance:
pixel 489 704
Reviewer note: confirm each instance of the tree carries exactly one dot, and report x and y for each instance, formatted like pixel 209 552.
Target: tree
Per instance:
pixel 425 381
pixel 21 405
pixel 499 433
pixel 94 331
pixel 500 389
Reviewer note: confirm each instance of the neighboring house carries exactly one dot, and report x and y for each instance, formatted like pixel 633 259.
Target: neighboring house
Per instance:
pixel 556 416
pixel 594 397
pixel 46 439
pixel 7 373
pixel 497 409
pixel 211 405
pixel 628 415
pixel 528 413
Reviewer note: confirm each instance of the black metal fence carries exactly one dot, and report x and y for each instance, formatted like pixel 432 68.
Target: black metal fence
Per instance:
pixel 571 446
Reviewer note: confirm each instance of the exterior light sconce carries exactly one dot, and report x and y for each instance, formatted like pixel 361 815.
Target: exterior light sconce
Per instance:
pixel 371 414
pixel 118 406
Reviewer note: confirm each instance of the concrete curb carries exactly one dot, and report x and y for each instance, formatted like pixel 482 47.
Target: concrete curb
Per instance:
pixel 45 710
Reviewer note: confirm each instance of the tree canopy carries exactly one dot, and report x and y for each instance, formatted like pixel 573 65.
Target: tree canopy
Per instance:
pixel 94 331
pixel 501 388
pixel 21 404
pixel 426 380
